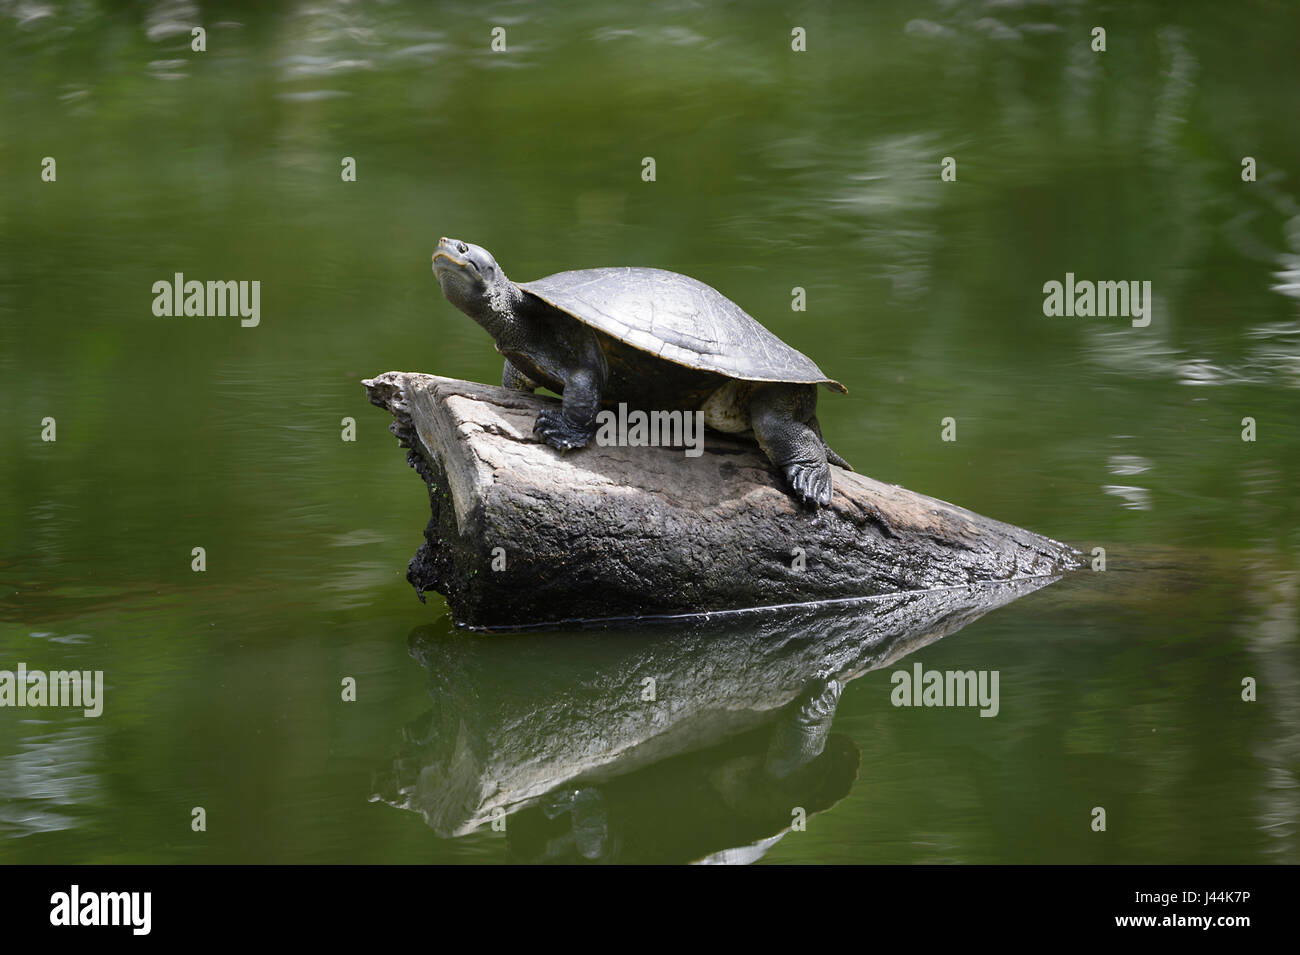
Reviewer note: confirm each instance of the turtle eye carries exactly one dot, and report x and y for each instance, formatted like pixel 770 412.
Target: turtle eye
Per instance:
pixel 462 248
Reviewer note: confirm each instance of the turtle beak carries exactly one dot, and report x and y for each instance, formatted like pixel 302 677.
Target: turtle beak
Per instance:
pixel 444 251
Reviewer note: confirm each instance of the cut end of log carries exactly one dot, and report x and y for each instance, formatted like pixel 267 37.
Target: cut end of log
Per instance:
pixel 522 535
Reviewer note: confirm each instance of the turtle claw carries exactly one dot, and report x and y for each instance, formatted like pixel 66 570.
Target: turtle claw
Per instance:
pixel 556 430
pixel 810 482
pixel 819 702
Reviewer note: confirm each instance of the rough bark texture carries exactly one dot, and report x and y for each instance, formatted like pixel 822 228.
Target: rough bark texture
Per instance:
pixel 632 531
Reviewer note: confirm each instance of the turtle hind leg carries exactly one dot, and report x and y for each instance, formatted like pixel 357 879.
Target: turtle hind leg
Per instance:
pixel 831 456
pixel 799 737
pixel 780 416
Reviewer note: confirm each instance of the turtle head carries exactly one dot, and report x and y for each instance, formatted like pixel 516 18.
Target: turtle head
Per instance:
pixel 474 283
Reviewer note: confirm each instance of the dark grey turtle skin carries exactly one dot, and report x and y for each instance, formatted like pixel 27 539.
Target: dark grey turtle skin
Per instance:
pixel 656 340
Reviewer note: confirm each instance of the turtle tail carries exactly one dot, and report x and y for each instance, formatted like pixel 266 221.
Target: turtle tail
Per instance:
pixel 831 456
pixel 834 458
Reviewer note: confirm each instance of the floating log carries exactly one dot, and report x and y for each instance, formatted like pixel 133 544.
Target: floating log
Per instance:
pixel 521 535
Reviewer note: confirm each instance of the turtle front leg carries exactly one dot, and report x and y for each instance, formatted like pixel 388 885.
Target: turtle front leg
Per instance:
pixel 779 415
pixel 516 380
pixel 573 424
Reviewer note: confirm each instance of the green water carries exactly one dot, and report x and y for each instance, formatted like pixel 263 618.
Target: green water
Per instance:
pixel 774 169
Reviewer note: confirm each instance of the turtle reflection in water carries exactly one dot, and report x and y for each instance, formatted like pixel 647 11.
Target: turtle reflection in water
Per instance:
pixel 729 803
pixel 653 340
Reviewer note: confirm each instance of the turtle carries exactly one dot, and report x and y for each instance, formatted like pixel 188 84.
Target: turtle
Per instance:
pixel 654 340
